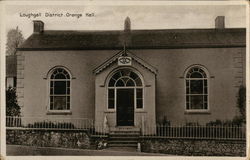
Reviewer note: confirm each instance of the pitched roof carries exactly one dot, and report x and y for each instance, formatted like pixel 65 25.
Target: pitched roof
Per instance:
pixel 114 59
pixel 11 66
pixel 135 39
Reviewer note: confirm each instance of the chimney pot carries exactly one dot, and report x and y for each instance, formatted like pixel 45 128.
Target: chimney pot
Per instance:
pixel 127 25
pixel 38 26
pixel 220 22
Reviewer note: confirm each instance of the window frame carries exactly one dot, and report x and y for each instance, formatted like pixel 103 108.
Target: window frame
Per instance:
pixel 124 87
pixel 207 110
pixel 66 95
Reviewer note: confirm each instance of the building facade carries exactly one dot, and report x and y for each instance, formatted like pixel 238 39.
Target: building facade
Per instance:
pixel 132 77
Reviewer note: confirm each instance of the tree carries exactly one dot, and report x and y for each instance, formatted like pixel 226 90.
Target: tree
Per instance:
pixel 12 107
pixel 14 40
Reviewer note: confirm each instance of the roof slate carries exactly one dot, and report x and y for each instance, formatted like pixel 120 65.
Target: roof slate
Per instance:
pixel 135 39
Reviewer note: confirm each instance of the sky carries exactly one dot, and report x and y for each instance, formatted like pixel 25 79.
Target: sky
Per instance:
pixel 105 17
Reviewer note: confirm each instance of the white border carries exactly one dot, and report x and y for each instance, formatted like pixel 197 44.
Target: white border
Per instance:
pixel 3 40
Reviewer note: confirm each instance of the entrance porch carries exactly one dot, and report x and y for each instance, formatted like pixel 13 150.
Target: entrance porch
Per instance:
pixel 125 93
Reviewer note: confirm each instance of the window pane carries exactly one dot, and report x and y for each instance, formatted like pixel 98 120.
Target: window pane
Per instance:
pixel 139 103
pixel 51 102
pixel 59 102
pixel 111 104
pixel 138 82
pixel 205 82
pixel 187 90
pixel 196 102
pixel 138 93
pixel 51 90
pixel 60 76
pixel 125 79
pixel 111 82
pixel 196 86
pixel 111 93
pixel 60 87
pixel 120 83
pixel 205 105
pixel 187 98
pixel 196 75
pixel 68 105
pixel 117 75
pixel 187 105
pixel 51 84
pixel 205 90
pixel 68 90
pixel 133 75
pixel 130 83
pixel 52 76
pixel 205 98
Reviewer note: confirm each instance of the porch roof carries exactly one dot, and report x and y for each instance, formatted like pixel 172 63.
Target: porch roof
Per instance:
pixel 125 52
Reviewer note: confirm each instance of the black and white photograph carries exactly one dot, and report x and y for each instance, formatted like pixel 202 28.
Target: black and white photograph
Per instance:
pixel 126 79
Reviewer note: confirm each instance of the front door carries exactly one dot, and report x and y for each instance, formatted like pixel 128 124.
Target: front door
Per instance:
pixel 125 107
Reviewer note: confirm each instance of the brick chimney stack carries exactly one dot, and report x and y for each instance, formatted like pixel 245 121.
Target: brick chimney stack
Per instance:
pixel 38 26
pixel 220 22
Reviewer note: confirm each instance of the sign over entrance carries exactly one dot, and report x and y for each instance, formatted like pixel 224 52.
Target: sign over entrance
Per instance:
pixel 124 61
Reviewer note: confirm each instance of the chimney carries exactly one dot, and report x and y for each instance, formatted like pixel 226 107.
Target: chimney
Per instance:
pixel 127 25
pixel 220 22
pixel 38 26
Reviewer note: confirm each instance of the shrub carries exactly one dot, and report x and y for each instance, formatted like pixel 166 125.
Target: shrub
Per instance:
pixel 241 104
pixel 63 125
pixel 12 107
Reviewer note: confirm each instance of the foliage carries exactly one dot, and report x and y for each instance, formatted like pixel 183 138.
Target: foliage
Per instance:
pixel 164 122
pixel 241 103
pixel 12 107
pixel 63 125
pixel 14 40
pixel 234 122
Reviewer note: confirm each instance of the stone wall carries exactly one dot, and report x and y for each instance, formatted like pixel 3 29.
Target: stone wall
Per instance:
pixel 194 147
pixel 45 138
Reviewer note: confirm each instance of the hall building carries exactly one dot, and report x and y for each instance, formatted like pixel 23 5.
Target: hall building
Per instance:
pixel 132 77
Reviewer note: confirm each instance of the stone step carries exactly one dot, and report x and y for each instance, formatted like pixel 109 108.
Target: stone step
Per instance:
pixel 125 129
pixel 123 134
pixel 123 138
pixel 122 145
pixel 123 142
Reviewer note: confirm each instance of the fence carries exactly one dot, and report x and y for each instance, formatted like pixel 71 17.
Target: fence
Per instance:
pixel 154 131
pixel 52 123
pixel 196 132
pixel 41 123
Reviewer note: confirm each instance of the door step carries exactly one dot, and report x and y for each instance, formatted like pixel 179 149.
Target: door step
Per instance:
pixel 123 145
pixel 123 137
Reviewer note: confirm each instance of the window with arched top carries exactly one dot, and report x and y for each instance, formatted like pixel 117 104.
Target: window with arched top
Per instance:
pixel 59 97
pixel 196 89
pixel 121 79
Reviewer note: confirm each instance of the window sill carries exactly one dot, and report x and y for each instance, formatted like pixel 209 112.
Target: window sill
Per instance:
pixel 197 112
pixel 59 113
pixel 110 111
pixel 140 110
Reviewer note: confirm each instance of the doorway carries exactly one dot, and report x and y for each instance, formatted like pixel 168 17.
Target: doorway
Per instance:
pixel 125 107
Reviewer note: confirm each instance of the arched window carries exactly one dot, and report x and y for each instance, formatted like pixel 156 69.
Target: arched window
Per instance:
pixel 196 89
pixel 59 90
pixel 125 78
